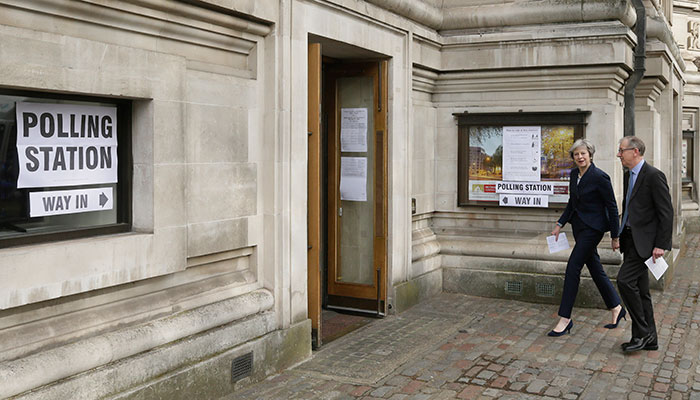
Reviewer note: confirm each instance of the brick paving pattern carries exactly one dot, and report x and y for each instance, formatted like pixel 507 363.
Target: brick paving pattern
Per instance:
pixel 464 347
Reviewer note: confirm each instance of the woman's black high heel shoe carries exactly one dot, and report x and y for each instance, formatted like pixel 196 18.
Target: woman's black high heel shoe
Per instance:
pixel 565 331
pixel 620 316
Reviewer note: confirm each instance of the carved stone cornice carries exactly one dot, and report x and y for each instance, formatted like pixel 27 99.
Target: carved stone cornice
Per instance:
pixel 519 12
pixel 657 28
pixel 190 12
pixel 424 79
pixel 167 19
pixel 608 77
pixel 649 89
pixel 692 86
pixel 465 16
pixel 685 4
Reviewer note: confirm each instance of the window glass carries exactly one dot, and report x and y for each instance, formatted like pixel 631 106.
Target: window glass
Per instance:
pixel 62 166
pixel 486 160
pixel 520 154
pixel 684 158
pixel 687 156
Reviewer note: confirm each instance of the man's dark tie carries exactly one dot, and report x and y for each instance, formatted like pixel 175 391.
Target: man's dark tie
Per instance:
pixel 627 200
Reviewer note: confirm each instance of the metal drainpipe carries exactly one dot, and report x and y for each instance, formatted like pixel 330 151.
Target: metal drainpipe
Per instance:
pixel 640 29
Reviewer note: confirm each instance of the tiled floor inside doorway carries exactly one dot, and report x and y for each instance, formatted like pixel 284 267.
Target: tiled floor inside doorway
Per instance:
pixel 335 324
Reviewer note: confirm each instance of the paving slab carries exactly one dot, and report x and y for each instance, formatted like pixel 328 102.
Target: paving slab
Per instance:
pixel 456 346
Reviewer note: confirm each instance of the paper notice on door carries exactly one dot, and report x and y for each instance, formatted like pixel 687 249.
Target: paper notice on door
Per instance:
pixel 657 268
pixel 353 178
pixel 353 129
pixel 557 245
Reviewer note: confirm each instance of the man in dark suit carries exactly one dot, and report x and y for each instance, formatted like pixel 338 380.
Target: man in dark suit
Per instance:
pixel 647 224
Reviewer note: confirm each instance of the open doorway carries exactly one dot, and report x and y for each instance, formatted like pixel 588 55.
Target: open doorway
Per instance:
pixel 347 187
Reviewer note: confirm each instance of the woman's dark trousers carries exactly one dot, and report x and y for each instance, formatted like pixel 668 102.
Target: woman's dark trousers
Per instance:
pixel 585 251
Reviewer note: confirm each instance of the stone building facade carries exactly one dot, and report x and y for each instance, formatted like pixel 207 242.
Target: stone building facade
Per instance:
pixel 278 157
pixel 686 17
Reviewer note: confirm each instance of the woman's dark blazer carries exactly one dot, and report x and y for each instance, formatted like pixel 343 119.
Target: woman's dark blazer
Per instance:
pixel 593 200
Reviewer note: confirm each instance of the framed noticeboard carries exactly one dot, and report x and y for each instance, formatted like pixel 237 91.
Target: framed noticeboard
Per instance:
pixel 529 147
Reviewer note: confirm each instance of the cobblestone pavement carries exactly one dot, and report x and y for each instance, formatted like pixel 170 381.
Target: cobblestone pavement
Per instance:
pixel 464 347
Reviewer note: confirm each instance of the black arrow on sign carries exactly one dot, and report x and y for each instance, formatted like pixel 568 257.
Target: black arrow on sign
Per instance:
pixel 103 199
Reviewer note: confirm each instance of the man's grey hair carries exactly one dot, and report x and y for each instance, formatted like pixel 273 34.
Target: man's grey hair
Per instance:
pixel 582 143
pixel 635 143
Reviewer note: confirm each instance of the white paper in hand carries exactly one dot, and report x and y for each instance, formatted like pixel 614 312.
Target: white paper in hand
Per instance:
pixel 657 268
pixel 557 245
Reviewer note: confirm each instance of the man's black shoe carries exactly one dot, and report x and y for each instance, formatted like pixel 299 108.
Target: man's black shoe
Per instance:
pixel 638 343
pixel 652 345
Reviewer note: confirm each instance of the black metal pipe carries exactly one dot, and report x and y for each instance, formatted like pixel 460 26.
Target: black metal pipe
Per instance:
pixel 640 29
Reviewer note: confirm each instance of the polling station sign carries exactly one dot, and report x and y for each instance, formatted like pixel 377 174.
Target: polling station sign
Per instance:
pixel 66 144
pixel 525 187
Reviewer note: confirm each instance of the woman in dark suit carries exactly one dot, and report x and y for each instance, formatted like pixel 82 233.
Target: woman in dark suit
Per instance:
pixel 591 211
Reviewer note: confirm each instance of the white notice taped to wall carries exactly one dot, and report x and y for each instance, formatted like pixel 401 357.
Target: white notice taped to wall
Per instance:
pixel 66 144
pixel 353 178
pixel 353 129
pixel 521 153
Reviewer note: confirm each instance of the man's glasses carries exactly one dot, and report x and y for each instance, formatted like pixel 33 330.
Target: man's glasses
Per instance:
pixel 621 150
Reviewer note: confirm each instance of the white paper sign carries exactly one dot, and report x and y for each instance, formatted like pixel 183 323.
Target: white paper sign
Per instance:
pixel 353 178
pixel 557 245
pixel 523 200
pixel 486 190
pixel 521 153
pixel 70 201
pixel 525 187
pixel 353 129
pixel 657 268
pixel 66 144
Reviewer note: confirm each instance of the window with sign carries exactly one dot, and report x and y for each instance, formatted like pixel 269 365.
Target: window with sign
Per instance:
pixel 522 156
pixel 687 157
pixel 65 166
pixel 689 125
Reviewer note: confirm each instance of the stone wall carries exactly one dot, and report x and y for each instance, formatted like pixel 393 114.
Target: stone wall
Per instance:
pixel 686 30
pixel 197 280
pixel 580 63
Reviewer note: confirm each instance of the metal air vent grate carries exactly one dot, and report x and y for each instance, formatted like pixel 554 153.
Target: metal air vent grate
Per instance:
pixel 544 289
pixel 242 367
pixel 514 287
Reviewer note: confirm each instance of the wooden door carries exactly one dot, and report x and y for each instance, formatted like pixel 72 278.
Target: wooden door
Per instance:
pixel 314 193
pixel 356 100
